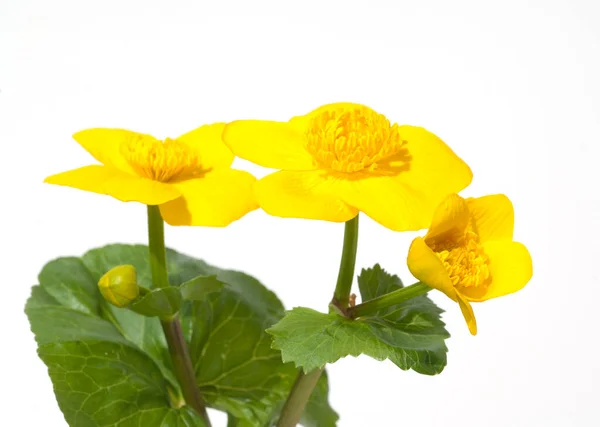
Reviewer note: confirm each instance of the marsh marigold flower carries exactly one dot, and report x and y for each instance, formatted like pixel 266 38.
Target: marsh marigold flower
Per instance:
pixel 469 254
pixel 188 177
pixel 344 158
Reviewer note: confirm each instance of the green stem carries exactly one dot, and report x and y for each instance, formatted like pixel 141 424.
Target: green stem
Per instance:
pixel 305 383
pixel 156 243
pixel 184 370
pixel 178 349
pixel 301 391
pixel 341 295
pixel 388 300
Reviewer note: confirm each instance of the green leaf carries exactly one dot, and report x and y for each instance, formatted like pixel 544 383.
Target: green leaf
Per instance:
pixel 236 368
pixel 104 371
pixel 158 302
pixel 318 413
pixel 111 367
pixel 102 383
pixel 374 282
pixel 199 288
pixel 410 334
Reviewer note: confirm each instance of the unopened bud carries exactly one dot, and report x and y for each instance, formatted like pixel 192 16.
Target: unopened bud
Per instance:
pixel 119 285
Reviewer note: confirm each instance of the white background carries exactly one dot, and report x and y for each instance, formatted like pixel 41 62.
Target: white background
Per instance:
pixel 512 86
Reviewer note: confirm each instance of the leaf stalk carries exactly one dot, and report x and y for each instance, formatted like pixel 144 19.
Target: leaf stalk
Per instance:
pixel 384 301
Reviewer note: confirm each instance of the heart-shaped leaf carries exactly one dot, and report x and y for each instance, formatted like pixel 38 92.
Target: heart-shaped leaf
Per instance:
pixel 111 368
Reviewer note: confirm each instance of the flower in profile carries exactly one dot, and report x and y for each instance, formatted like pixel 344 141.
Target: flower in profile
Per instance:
pixel 469 253
pixel 188 177
pixel 344 158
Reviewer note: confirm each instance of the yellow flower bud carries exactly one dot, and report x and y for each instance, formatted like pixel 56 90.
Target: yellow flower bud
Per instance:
pixel 119 285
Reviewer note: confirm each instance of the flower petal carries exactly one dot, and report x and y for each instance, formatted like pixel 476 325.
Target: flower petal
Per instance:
pixel 450 219
pixel 510 268
pixel 306 194
pixel 105 145
pixel 425 265
pixel 113 182
pixel 468 314
pixel 215 200
pixel 434 161
pixel 493 217
pixel 432 170
pixel 391 203
pixel 207 141
pixel 275 145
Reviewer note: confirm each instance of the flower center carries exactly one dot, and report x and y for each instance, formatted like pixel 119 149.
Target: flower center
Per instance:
pixel 351 138
pixel 465 261
pixel 161 161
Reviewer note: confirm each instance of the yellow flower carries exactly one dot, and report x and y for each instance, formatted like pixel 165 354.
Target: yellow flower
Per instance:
pixel 189 177
pixel 469 254
pixel 344 158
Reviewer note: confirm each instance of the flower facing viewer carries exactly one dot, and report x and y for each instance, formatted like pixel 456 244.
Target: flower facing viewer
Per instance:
pixel 188 177
pixel 469 254
pixel 344 158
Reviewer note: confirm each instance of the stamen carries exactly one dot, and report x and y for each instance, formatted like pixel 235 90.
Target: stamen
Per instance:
pixel 166 161
pixel 352 138
pixel 466 262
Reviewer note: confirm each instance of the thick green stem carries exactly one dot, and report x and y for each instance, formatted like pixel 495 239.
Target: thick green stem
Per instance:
pixel 305 383
pixel 301 391
pixel 388 300
pixel 156 243
pixel 341 295
pixel 178 349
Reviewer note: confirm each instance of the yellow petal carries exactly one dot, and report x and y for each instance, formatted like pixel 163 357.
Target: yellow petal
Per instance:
pixel 493 217
pixel 424 264
pixel 391 203
pixel 307 194
pixel 275 145
pixel 113 182
pixel 215 200
pixel 450 219
pixel 510 268
pixel 207 141
pixel 467 311
pixel 105 145
pixel 433 171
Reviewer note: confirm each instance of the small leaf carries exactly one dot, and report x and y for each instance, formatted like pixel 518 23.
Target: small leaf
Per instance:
pixel 374 282
pixel 158 302
pixel 410 334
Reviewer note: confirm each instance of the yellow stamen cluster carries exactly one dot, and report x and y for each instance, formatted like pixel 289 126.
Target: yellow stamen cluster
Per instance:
pixel 166 161
pixel 352 138
pixel 466 262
